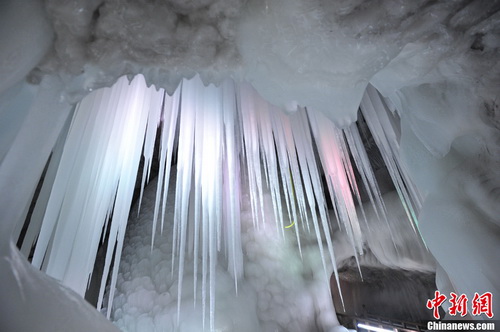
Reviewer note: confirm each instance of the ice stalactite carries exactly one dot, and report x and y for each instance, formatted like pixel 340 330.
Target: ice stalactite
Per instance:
pixel 154 117
pixel 221 136
pixel 362 162
pixel 339 177
pixel 94 181
pixel 386 136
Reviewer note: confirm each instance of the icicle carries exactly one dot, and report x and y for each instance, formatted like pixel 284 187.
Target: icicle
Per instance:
pixel 168 126
pixel 297 188
pixel 72 146
pixel 150 136
pixel 382 129
pixel 174 107
pixel 280 122
pixel 232 181
pixel 334 162
pixel 264 110
pixel 218 128
pixel 198 213
pixel 37 216
pixel 187 125
pixel 211 182
pixel 130 149
pixel 96 173
pixel 248 97
pixel 367 176
pixel 204 267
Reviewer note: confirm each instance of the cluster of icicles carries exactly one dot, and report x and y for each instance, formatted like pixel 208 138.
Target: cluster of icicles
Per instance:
pixel 222 135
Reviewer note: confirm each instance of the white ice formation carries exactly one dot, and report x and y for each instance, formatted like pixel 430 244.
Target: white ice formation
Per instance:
pixel 425 75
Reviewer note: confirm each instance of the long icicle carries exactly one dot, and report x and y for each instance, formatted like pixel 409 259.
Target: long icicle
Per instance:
pixel 218 128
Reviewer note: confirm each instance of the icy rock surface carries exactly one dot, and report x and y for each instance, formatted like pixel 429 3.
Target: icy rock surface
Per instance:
pixel 15 103
pixel 99 41
pixel 278 291
pixel 32 301
pixel 459 219
pixel 316 54
pixel 449 146
pixel 395 243
pixel 23 27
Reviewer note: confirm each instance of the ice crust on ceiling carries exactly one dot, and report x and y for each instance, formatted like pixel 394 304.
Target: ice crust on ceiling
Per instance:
pixel 317 54
pixel 164 40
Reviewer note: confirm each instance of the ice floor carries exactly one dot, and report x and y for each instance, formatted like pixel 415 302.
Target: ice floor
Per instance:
pixel 279 292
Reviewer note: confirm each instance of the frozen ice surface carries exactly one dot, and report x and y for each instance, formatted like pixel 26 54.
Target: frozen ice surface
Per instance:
pixel 23 27
pixel 36 137
pixel 32 301
pixel 15 103
pixel 462 201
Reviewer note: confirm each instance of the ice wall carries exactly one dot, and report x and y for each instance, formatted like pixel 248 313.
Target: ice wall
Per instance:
pixel 23 46
pixel 23 27
pixel 31 118
pixel 33 301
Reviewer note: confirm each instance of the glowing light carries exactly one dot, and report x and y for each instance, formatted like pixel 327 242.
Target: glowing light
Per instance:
pixel 374 328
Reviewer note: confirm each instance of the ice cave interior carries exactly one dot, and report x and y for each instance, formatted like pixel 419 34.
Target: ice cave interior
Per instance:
pixel 246 165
